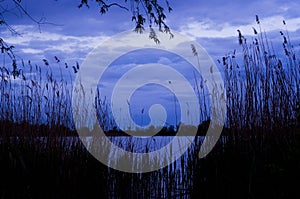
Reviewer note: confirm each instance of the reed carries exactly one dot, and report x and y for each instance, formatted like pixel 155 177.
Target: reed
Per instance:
pixel 38 142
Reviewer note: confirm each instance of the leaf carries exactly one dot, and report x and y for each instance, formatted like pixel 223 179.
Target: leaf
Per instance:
pixel 46 62
pixel 257 19
pixel 194 50
pixel 56 59
pixel 255 32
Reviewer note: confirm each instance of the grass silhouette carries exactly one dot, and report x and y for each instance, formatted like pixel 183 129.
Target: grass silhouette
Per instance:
pixel 257 157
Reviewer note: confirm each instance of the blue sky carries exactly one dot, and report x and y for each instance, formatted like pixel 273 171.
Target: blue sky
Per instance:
pixel 213 24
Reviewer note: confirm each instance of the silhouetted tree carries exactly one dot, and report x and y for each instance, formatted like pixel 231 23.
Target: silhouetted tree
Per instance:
pixel 151 12
pixel 144 12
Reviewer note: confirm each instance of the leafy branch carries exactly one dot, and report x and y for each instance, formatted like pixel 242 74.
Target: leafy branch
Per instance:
pixel 144 12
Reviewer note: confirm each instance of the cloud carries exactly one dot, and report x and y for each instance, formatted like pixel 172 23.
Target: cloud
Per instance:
pixel 164 61
pixel 31 51
pixel 32 41
pixel 211 29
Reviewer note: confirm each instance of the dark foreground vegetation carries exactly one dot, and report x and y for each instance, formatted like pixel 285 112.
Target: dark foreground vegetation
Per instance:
pixel 60 167
pixel 258 155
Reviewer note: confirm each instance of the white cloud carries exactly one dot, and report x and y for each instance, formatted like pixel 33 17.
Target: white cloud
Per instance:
pixel 31 51
pixel 210 29
pixel 49 41
pixel 164 61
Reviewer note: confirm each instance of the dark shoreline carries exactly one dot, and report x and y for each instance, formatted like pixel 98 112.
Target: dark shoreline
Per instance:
pixel 243 168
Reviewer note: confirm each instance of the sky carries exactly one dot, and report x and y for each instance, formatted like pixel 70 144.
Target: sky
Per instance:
pixel 72 33
pixel 77 31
